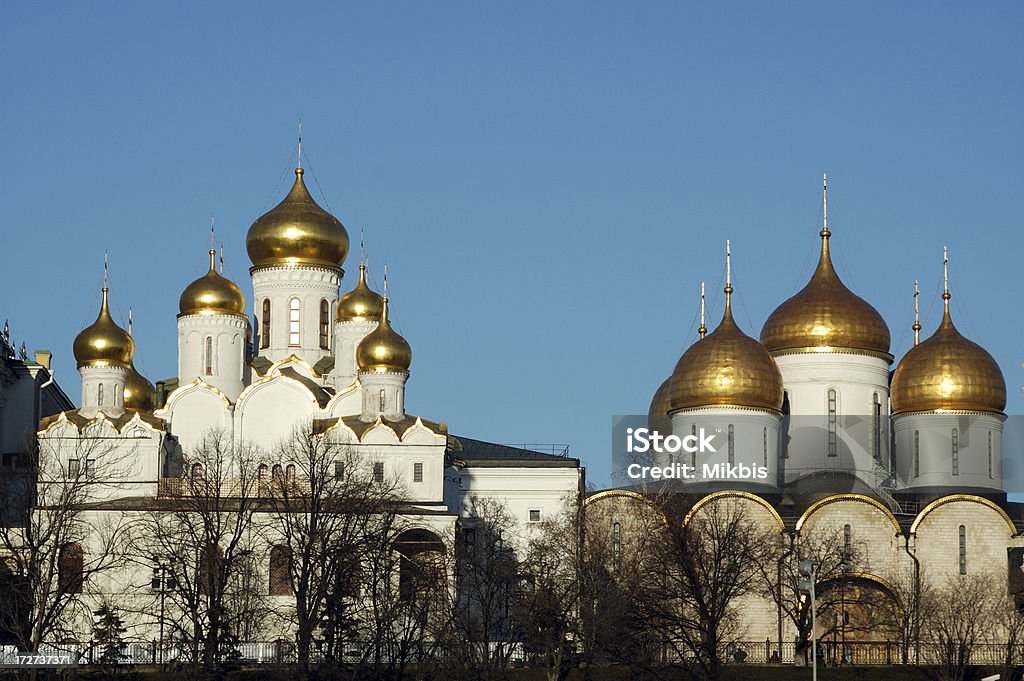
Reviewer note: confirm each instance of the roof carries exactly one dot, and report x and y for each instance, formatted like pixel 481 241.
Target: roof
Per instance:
pixel 473 452
pixel 75 417
pixel 358 426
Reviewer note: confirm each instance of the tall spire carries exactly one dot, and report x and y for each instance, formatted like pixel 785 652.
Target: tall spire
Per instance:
pixel 945 279
pixel 917 315
pixel 300 142
pixel 703 330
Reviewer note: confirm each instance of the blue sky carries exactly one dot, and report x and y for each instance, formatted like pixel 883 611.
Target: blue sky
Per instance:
pixel 548 182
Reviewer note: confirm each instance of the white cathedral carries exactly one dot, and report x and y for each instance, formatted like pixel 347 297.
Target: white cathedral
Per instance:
pixel 316 357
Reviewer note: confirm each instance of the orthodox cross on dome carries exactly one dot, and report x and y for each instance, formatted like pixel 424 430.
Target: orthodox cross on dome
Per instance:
pixel 917 314
pixel 728 271
pixel 362 245
pixel 945 277
pixel 702 330
pixel 129 320
pixel 824 206
pixel 213 235
pixel 299 164
pixel 106 274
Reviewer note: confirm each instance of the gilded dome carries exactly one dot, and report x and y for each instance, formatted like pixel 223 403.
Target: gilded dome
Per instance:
pixel 824 315
pixel 359 304
pixel 297 231
pixel 104 343
pixel 383 350
pixel 727 368
pixel 212 294
pixel 139 393
pixel 657 414
pixel 947 372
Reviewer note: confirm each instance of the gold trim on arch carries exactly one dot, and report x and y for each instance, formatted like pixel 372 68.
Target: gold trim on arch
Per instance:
pixel 848 497
pixel 625 494
pixel 182 390
pixel 962 497
pixel 733 494
pixel 867 577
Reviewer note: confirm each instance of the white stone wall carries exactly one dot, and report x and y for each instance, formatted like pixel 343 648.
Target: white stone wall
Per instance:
pixel 928 438
pixel 109 379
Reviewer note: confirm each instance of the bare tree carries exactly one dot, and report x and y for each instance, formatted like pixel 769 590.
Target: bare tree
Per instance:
pixel 959 620
pixel 483 632
pixel 834 554
pixel 200 541
pixel 333 523
pixel 707 565
pixel 557 577
pixel 54 545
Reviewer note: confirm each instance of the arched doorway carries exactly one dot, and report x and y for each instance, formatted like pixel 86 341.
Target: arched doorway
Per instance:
pixel 858 620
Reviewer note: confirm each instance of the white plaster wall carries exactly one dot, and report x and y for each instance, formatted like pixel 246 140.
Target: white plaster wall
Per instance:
pixel 935 450
pixel 228 332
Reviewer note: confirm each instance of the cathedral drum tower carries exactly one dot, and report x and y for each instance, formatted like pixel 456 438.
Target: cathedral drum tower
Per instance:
pixel 832 348
pixel 297 250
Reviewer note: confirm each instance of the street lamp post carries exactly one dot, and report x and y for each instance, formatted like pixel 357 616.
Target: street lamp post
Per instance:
pixel 806 585
pixel 162 582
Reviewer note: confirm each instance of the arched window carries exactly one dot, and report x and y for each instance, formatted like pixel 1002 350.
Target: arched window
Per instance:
pixel 955 444
pixel 289 472
pixel 766 448
pixel 732 444
pixel 263 470
pixel 208 352
pixel 963 550
pixel 833 449
pixel 847 543
pixel 917 453
pixel 616 540
pixel 276 473
pixel 71 569
pixel 990 475
pixel 99 394
pixel 280 571
pixel 210 559
pixel 382 400
pixel 197 471
pixel 325 323
pixel 294 322
pixel 693 454
pixel 265 325
pixel 876 426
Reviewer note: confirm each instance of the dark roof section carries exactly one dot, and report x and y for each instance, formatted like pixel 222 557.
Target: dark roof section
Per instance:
pixel 324 365
pixel 492 455
pixel 322 396
pixel 260 364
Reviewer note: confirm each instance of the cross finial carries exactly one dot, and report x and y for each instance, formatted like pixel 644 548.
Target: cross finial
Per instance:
pixel 129 320
pixel 213 236
pixel 917 316
pixel 385 280
pixel 222 259
pixel 945 277
pixel 824 206
pixel 728 266
pixel 702 330
pixel 106 274
pixel 300 142
pixel 362 245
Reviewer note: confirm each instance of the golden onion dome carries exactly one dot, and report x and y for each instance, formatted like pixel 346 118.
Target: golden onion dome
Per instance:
pixel 948 372
pixel 657 414
pixel 212 293
pixel 726 368
pixel 297 231
pixel 383 350
pixel 825 315
pixel 360 304
pixel 104 343
pixel 139 393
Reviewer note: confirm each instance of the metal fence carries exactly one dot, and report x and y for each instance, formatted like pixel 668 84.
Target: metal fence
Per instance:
pixel 831 653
